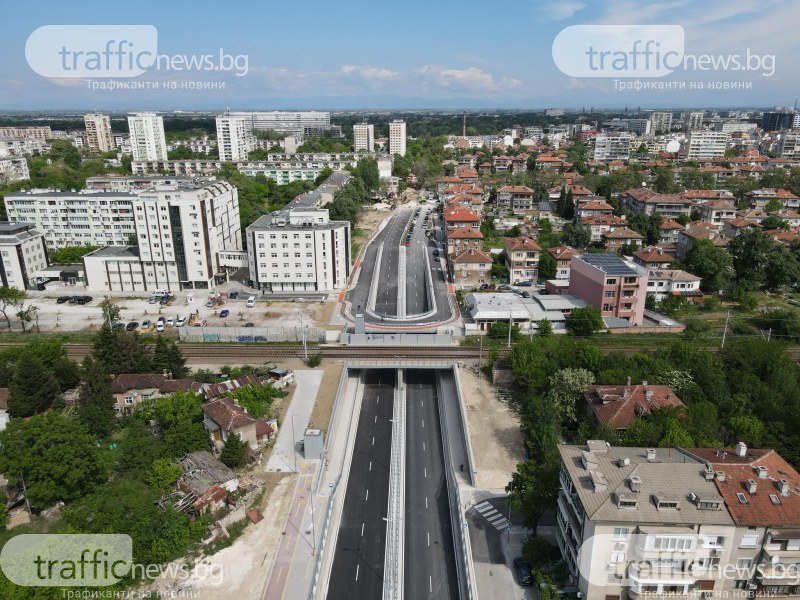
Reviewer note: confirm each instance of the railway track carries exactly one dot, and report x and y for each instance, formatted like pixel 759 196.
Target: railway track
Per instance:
pixel 233 352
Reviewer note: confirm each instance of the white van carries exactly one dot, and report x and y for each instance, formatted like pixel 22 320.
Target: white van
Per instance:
pixel 160 293
pixel 251 302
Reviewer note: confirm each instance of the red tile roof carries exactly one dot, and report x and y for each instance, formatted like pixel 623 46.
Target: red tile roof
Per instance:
pixel 473 256
pixel 653 255
pixel 563 252
pixel 465 233
pixel 212 390
pixel 670 224
pixel 620 405
pixel 623 233
pixel 460 214
pixel 522 243
pixel 227 414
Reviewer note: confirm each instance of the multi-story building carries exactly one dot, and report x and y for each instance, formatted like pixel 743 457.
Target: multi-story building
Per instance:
pixel 364 137
pixel 663 283
pixel 14 168
pixel 98 132
pixel 706 144
pixel 397 137
pixel 22 146
pixel 622 237
pixel 299 248
pixel 507 194
pixel 693 120
pixel 39 133
pixel 640 126
pixel 780 119
pixel 471 268
pixel 310 123
pixel 717 211
pixel 790 145
pixel 563 256
pixel 522 259
pixel 234 138
pixel 147 136
pixel 661 122
pixel 463 238
pixel 616 287
pixel 185 234
pixel 644 200
pixel 608 147
pixel 22 254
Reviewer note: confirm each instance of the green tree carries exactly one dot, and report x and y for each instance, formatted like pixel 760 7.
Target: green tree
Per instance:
pixel 548 267
pixel 33 389
pixel 711 263
pixel 584 321
pixel 234 452
pixel 70 255
pixel 95 398
pixel 163 474
pixel 545 327
pixel 137 449
pixel 54 456
pixel 110 311
pixel 257 399
pixel 10 297
pixel 576 235
pixel 773 205
pixel 773 222
pixel 167 356
pixel 761 264
pixel 28 314
pixel 121 351
pixel 566 388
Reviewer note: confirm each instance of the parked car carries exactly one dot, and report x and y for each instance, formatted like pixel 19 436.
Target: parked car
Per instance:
pixel 524 284
pixel 504 288
pixel 249 325
pixel 170 322
pixel 145 325
pixel 233 295
pixel 152 300
pixel 181 322
pixel 164 300
pixel 210 304
pixel 523 572
pixel 132 326
pixel 223 314
pixel 84 300
pixel 160 326
pixel 251 302
pixel 63 299
pixel 526 294
pixel 118 326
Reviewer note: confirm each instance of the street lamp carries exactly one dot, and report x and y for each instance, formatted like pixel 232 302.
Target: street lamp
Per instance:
pixel 294 446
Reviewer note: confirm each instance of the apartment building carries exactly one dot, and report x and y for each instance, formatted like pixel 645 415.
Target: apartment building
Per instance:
pixel 663 283
pixel 38 133
pixel 703 145
pixel 522 259
pixel 507 195
pixel 397 137
pixel 778 119
pixel 790 145
pixel 608 147
pixel 563 256
pixel 471 268
pixel 299 248
pixel 14 168
pixel 22 146
pixel 463 238
pixel 693 120
pixel 98 132
pixel 661 121
pixel 616 287
pixel 310 123
pixel 186 235
pixel 717 211
pixel 22 254
pixel 364 137
pixel 147 136
pixel 644 200
pixel 234 138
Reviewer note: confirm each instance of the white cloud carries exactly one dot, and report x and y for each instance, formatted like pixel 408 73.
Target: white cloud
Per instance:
pixel 370 72
pixel 471 79
pixel 558 11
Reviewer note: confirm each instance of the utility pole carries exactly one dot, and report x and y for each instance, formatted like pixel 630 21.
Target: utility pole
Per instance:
pixel 302 326
pixel 294 446
pixel 480 358
pixel 510 327
pixel 725 331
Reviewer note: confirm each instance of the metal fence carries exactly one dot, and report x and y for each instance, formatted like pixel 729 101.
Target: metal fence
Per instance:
pixel 313 335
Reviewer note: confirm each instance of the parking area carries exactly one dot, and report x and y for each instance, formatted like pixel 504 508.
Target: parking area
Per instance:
pixel 227 312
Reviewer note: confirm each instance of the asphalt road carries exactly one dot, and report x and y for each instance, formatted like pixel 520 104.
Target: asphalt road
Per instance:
pixel 393 237
pixel 357 570
pixel 430 568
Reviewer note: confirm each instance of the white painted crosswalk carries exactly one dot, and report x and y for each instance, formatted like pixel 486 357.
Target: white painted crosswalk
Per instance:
pixel 491 514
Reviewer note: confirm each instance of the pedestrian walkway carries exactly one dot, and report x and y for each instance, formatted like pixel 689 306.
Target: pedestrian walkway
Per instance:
pixel 278 577
pixel 491 514
pixel 285 454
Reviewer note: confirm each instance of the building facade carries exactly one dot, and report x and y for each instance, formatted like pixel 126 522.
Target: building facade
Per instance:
pixel 234 139
pixel 522 259
pixel 98 132
pixel 147 136
pixel 608 147
pixel 364 137
pixel 397 137
pixel 702 145
pixel 617 288
pixel 22 254
pixel 310 123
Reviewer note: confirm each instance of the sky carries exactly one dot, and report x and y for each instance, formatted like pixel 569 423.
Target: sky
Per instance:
pixel 357 54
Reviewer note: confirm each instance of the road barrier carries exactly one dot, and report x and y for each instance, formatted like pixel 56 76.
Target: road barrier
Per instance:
pixel 402 291
pixel 245 335
pixel 393 566
pixel 373 285
pixel 473 471
pixel 458 523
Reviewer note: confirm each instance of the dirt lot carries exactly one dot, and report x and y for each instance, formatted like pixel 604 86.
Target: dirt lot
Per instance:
pixel 497 441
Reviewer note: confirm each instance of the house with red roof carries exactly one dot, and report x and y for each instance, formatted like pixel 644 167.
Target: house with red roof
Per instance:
pixel 508 194
pixel 464 238
pixel 224 417
pixel 653 258
pixel 668 231
pixel 522 259
pixel 622 236
pixel 471 268
pixel 618 406
pixel 459 217
pixel 601 224
pixel 563 256
pixel 733 227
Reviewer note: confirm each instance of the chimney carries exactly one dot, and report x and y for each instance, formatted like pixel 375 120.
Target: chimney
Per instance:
pixel 783 486
pixel 651 454
pixel 644 382
pixel 720 475
pixel 708 473
pixel 741 449
pixel 635 483
pixel 629 382
pixel 752 486
pixel 762 471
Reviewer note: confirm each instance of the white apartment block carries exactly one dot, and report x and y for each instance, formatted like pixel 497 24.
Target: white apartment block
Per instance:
pixel 234 138
pixel 147 139
pixel 706 144
pixel 311 123
pixel 397 137
pixel 182 230
pixel 22 254
pixel 693 120
pixel 790 144
pixel 608 147
pixel 98 132
pixel 364 137
pixel 640 126
pixel 39 133
pixel 22 146
pixel 663 283
pixel 14 169
pixel 299 248
pixel 661 121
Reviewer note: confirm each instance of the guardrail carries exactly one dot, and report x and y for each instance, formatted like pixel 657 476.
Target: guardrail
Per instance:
pixel 393 566
pixel 334 413
pixel 402 290
pixel 466 578
pixel 473 471
pixel 323 539
pixel 373 285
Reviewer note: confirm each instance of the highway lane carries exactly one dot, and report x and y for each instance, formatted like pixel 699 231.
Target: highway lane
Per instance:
pixel 357 570
pixel 417 301
pixel 394 237
pixel 430 567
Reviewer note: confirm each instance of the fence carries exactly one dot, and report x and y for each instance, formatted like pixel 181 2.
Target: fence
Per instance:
pixel 473 471
pixel 313 335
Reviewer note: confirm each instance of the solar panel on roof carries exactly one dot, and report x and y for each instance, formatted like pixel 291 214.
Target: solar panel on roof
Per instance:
pixel 608 263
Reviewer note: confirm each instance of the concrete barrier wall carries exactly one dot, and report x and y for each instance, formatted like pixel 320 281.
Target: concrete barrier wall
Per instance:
pixel 473 471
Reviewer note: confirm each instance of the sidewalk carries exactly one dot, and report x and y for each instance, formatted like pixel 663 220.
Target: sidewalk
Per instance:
pixel 285 455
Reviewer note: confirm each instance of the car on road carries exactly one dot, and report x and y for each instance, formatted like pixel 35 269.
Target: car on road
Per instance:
pixel 251 302
pixel 160 326
pixel 526 294
pixel 132 326
pixel 210 304
pixel 63 299
pixel 504 288
pixel 118 326
pixel 524 284
pixel 408 243
pixel 522 571
pixel 170 322
pixel 233 295
pixel 145 325
pixel 83 300
pixel 249 325
pixel 164 300
pixel 224 313
pixel 435 254
pixel 180 322
pixel 152 300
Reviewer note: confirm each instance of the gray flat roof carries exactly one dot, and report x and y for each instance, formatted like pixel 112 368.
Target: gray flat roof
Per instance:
pixel 116 251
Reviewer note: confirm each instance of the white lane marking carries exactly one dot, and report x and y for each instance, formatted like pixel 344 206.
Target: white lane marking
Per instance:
pixel 370 465
pixel 423 423
pixel 423 446
pixel 430 583
pixel 373 440
pixel 429 538
pixel 376 418
pixel 357 566
pixel 362 530
pixel 426 502
pixel 426 472
pixel 367 498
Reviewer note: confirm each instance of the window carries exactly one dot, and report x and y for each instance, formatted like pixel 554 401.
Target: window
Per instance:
pixel 611 281
pixel 627 503
pixel 617 557
pixel 610 294
pixel 608 307
pixel 744 563
pixel 620 533
pixel 749 541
